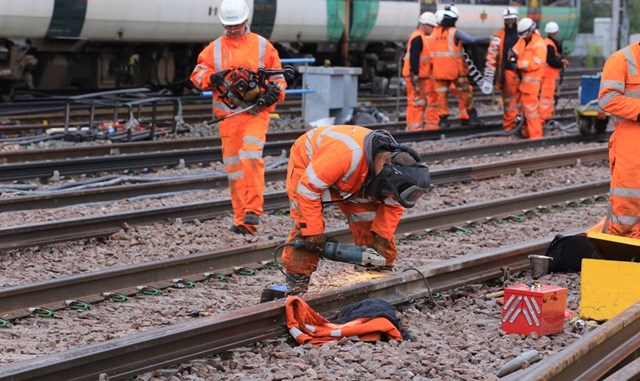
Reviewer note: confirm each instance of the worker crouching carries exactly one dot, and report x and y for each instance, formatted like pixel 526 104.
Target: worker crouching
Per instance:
pixel 367 173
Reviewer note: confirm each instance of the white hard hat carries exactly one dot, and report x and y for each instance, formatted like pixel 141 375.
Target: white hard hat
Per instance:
pixel 233 12
pixel 451 11
pixel 428 18
pixel 439 16
pixel 509 13
pixel 551 27
pixel 526 25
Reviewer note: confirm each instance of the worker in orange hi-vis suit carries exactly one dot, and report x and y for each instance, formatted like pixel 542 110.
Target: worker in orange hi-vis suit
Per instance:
pixel 528 56
pixel 551 71
pixel 367 173
pixel 448 65
pixel 620 97
pixel 415 70
pixel 506 77
pixel 463 114
pixel 243 135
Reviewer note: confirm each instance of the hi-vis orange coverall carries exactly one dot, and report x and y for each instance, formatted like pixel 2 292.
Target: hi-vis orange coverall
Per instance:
pixel 447 67
pixel 620 97
pixel 416 95
pixel 531 58
pixel 550 74
pixel 243 135
pixel 330 164
pixel 507 81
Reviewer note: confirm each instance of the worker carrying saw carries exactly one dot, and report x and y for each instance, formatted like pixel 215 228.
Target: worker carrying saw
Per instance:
pixel 244 72
pixel 369 176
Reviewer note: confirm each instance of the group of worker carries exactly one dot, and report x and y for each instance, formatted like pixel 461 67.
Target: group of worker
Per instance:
pixel 526 70
pixel 366 173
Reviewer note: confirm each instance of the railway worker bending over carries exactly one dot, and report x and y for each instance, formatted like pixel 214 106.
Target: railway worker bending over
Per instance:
pixel 551 71
pixel 449 66
pixel 506 76
pixel 528 56
pixel 620 97
pixel 243 135
pixel 416 72
pixel 367 173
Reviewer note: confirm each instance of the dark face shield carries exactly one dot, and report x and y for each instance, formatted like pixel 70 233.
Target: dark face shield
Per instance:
pixel 405 184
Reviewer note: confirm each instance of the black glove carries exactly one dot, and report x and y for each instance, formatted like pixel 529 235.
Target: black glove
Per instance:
pixel 414 80
pixel 512 64
pixel 315 242
pixel 269 96
pixel 217 79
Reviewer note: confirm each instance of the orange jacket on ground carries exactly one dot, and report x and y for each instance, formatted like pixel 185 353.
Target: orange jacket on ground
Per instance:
pixel 251 51
pixel 447 61
pixel 307 326
pixel 620 96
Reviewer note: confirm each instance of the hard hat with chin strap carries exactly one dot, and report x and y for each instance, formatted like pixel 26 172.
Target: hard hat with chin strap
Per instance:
pixel 439 16
pixel 233 12
pixel 428 18
pixel 509 13
pixel 525 26
pixel 451 11
pixel 551 27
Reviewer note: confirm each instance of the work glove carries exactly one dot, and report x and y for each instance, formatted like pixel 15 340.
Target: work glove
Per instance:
pixel 315 242
pixel 512 63
pixel 565 63
pixel 380 245
pixel 414 80
pixel 217 79
pixel 269 96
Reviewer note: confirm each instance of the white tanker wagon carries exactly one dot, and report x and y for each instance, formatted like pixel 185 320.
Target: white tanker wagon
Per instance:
pixel 106 44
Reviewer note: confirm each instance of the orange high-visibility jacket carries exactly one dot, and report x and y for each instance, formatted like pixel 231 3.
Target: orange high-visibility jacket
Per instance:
pixel 447 62
pixel 424 68
pixel 620 96
pixel 531 59
pixel 307 326
pixel 549 71
pixel 336 167
pixel 251 51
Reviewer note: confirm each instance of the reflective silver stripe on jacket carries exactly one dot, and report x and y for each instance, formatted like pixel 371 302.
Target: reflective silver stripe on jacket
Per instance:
pixel 625 192
pixel 361 217
pixel 625 220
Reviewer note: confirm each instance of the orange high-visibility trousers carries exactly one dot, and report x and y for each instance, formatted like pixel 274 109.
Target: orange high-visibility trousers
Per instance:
pixel 547 97
pixel 416 104
pixel 243 138
pixel 432 116
pixel 463 89
pixel 532 128
pixel 510 99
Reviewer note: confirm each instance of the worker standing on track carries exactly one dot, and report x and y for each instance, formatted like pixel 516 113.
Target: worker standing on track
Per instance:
pixel 528 56
pixel 367 173
pixel 551 71
pixel 506 76
pixel 449 66
pixel 620 97
pixel 243 135
pixel 415 70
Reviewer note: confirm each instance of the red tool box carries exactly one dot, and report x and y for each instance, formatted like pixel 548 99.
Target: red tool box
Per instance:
pixel 534 308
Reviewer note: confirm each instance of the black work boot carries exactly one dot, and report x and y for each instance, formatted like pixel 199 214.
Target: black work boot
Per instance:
pixel 274 292
pixel 239 229
pixel 444 122
pixel 297 283
pixel 251 219
pixel 474 120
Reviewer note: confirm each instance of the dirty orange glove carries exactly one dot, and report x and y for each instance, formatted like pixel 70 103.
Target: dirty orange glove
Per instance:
pixel 380 245
pixel 315 242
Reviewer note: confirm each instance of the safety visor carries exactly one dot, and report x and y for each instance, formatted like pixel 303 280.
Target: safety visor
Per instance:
pixel 410 196
pixel 405 184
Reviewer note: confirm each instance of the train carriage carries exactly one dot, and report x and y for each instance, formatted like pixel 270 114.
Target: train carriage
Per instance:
pixel 102 44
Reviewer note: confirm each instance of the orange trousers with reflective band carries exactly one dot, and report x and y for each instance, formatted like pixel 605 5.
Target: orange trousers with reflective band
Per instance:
pixel 243 138
pixel 416 104
pixel 510 99
pixel 463 93
pixel 547 97
pixel 624 166
pixel 532 128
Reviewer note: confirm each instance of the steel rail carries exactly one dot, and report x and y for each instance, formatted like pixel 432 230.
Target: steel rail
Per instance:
pixel 52 293
pixel 593 355
pixel 144 351
pixel 113 161
pixel 74 229
pixel 189 183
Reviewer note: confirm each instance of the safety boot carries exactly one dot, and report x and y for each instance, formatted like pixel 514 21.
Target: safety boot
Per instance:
pixel 239 229
pixel 444 122
pixel 274 292
pixel 474 120
pixel 297 283
pixel 251 219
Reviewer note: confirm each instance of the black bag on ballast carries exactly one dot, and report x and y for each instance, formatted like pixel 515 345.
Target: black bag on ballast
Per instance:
pixel 568 251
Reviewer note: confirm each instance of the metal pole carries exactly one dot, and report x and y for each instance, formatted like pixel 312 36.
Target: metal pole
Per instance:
pixel 615 22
